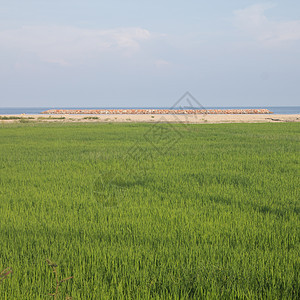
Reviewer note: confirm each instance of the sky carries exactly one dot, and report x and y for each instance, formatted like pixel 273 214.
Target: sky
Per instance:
pixel 137 53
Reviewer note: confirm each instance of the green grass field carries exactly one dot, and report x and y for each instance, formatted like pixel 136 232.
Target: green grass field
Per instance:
pixel 207 211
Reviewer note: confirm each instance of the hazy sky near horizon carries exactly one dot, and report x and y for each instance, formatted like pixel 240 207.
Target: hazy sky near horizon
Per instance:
pixel 94 53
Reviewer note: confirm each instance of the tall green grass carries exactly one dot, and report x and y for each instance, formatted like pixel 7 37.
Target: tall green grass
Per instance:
pixel 213 215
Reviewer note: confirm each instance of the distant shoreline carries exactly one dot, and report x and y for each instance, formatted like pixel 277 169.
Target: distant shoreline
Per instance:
pixel 278 110
pixel 152 118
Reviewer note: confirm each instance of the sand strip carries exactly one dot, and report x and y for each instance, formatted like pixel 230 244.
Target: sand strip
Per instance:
pixel 148 118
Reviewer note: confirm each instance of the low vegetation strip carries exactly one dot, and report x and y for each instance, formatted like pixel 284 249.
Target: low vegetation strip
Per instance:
pixel 157 111
pixel 150 211
pixel 5 118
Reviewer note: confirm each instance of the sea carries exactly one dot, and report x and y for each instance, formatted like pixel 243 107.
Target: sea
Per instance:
pixel 286 110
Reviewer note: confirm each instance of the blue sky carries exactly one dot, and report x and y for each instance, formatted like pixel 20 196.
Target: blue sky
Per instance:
pixel 148 53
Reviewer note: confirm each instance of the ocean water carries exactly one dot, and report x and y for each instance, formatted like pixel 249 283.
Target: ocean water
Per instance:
pixel 288 110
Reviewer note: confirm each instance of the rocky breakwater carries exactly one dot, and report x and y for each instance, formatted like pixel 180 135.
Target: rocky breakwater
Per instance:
pixel 156 111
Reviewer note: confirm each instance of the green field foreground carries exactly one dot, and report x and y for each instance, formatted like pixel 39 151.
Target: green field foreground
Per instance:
pixel 150 211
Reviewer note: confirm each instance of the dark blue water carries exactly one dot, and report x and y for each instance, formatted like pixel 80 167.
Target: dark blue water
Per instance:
pixel 37 110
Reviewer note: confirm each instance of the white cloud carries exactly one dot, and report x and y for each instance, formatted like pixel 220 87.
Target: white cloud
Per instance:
pixel 68 45
pixel 161 63
pixel 254 21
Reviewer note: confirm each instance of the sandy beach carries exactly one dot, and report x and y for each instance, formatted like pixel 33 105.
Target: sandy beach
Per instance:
pixel 131 118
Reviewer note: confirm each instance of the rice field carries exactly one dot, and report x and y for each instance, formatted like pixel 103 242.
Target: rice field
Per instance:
pixel 150 211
